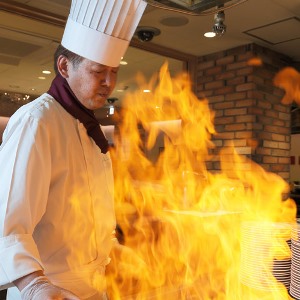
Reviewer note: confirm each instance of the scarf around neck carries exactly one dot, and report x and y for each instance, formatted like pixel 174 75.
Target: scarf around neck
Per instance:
pixel 62 93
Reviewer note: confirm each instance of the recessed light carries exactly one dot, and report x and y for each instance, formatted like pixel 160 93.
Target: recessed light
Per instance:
pixel 210 34
pixel 41 77
pixel 123 62
pixel 146 91
pixel 46 72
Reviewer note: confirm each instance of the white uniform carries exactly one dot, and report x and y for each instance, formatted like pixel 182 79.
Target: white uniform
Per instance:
pixel 56 200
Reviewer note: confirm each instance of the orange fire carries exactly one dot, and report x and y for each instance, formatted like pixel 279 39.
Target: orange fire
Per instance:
pixel 289 80
pixel 191 233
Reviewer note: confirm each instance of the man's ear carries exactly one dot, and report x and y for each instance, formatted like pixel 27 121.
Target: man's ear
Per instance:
pixel 62 66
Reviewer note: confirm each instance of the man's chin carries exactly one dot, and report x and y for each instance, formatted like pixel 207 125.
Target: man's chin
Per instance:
pixel 96 104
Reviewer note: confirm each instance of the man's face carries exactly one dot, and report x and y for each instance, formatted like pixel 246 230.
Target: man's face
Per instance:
pixel 91 82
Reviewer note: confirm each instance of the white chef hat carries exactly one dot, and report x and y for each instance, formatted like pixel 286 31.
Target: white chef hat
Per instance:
pixel 101 30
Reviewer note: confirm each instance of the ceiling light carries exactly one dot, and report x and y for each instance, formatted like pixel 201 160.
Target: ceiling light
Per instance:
pixel 46 72
pixel 146 91
pixel 209 34
pixel 41 77
pixel 123 62
pixel 219 27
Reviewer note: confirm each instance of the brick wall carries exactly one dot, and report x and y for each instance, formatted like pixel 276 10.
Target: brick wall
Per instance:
pixel 248 109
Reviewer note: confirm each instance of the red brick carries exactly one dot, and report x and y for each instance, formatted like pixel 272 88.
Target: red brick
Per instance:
pixel 224 90
pixel 245 103
pixel 264 104
pixel 219 113
pixel 256 79
pixel 254 94
pixel 282 108
pixel 236 81
pixel 277 122
pixel 279 152
pixel 284 116
pixel 205 79
pixel 224 105
pixel 283 160
pixel 264 151
pixel 225 75
pixel 213 71
pixel 278 137
pixel 285 146
pixel 235 96
pixel 264 120
pixel 205 94
pixel 278 168
pixel 244 134
pixel 235 127
pixel 270 144
pixel 270 160
pixel 214 85
pixel 205 65
pixel 216 99
pixel 265 135
pixel 245 87
pixel 245 118
pixel 245 56
pixel 255 110
pixel 244 71
pixel 237 65
pixel 277 129
pixel 225 60
pixel 236 112
pixel 224 120
pixel 236 143
pixel 271 113
pixel 218 143
pixel 225 135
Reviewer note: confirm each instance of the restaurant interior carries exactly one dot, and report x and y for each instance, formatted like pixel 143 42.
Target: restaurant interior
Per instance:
pixel 224 154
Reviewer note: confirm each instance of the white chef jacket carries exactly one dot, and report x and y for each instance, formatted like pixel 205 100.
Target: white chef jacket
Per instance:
pixel 56 200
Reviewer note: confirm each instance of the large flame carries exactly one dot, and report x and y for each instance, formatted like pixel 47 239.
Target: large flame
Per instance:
pixel 190 233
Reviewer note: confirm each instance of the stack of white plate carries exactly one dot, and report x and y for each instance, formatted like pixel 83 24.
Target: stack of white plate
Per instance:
pixel 295 268
pixel 265 255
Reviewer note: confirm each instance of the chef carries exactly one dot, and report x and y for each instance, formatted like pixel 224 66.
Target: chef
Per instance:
pixel 3 122
pixel 56 182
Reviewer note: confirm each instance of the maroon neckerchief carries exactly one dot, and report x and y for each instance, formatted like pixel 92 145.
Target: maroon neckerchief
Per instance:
pixel 62 93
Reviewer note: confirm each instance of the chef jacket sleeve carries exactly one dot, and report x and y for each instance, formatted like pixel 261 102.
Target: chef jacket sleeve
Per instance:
pixel 24 183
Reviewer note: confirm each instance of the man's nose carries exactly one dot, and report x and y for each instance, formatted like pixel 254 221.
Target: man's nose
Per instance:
pixel 107 78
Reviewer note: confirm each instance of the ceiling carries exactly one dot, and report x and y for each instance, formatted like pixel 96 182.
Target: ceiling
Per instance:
pixel 30 31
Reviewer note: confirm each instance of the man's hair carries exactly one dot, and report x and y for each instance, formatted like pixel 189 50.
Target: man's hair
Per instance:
pixel 75 59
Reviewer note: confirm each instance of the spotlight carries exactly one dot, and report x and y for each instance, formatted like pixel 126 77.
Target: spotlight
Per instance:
pixel 219 27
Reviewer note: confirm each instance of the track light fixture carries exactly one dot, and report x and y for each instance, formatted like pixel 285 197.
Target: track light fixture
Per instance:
pixel 219 28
